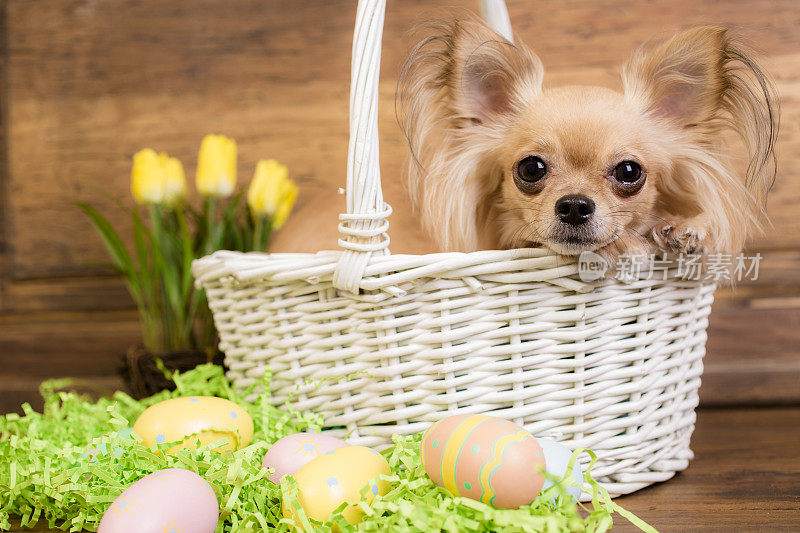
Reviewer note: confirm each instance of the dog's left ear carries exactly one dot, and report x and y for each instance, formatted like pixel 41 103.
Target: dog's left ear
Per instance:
pixel 702 81
pixel 682 79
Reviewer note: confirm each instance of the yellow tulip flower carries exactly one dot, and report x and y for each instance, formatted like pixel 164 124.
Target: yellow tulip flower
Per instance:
pixel 216 166
pixel 272 193
pixel 157 178
pixel 175 188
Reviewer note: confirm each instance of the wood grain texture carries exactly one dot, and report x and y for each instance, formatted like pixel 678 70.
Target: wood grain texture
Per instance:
pixel 86 83
pixel 88 346
pixel 745 477
pixel 89 83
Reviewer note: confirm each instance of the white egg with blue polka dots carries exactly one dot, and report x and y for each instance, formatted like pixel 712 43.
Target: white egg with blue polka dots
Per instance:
pixel 557 458
pixel 195 420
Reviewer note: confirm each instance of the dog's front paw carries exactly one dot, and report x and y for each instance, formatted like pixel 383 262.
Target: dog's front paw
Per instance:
pixel 678 237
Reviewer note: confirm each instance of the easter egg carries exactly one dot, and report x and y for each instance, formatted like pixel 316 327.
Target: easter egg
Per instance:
pixel 557 458
pixel 292 452
pixel 336 477
pixel 484 458
pixel 202 418
pixel 168 500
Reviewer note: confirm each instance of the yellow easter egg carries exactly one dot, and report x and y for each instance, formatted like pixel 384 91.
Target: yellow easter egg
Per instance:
pixel 338 476
pixel 195 418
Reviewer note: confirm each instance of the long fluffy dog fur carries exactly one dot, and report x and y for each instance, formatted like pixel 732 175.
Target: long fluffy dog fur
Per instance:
pixel 471 104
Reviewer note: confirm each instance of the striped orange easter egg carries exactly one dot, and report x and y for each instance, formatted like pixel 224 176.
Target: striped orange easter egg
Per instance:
pixel 484 458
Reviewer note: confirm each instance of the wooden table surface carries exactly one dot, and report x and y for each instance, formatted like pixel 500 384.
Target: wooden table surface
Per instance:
pixel 745 477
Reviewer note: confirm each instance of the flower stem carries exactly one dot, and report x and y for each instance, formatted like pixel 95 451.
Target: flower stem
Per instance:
pixel 158 263
pixel 210 215
pixel 259 227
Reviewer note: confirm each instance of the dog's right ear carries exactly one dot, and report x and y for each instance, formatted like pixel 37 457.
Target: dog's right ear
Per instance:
pixel 488 76
pixel 474 72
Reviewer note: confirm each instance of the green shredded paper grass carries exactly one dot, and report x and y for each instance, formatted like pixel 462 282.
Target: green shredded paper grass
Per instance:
pixel 67 464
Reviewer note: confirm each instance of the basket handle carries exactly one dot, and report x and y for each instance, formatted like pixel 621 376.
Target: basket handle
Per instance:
pixel 364 227
pixel 496 16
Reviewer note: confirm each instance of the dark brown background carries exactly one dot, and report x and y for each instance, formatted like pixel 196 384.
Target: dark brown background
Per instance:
pixel 85 84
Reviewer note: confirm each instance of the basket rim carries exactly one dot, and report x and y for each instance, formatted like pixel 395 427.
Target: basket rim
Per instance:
pixel 394 273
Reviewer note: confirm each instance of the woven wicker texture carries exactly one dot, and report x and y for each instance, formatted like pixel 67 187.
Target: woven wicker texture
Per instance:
pixel 383 344
pixel 615 368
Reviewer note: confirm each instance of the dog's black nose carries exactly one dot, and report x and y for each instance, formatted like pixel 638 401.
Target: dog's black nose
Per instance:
pixel 574 209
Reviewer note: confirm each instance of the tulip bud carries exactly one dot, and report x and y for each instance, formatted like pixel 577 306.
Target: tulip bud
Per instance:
pixel 157 178
pixel 216 166
pixel 272 193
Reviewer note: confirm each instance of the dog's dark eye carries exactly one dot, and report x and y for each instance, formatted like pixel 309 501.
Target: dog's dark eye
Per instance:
pixel 627 173
pixel 531 169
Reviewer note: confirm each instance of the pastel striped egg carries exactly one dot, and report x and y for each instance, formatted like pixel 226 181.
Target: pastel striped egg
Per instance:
pixel 484 458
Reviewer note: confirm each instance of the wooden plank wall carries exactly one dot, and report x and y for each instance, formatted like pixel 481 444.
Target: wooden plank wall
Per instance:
pixel 86 83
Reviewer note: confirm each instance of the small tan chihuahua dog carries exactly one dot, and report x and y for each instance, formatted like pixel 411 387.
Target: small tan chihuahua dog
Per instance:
pixel 500 162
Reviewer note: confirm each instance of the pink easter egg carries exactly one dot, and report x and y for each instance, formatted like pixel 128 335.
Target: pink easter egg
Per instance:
pixel 169 500
pixel 292 452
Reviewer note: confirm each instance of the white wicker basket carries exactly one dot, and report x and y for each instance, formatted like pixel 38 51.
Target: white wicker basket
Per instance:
pixel 382 344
